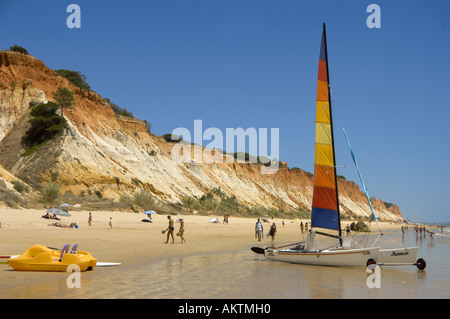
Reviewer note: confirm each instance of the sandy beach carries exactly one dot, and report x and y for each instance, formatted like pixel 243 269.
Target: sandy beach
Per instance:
pixel 215 262
pixel 131 240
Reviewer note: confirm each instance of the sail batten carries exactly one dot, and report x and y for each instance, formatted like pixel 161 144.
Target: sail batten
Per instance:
pixel 325 204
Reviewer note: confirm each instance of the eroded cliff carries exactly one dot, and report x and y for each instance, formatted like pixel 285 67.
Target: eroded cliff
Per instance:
pixel 115 155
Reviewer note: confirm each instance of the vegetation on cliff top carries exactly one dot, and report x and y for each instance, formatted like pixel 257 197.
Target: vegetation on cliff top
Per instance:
pixel 79 80
pixel 17 48
pixel 119 110
pixel 76 77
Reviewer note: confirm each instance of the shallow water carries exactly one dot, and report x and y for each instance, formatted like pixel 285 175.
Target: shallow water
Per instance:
pixel 244 274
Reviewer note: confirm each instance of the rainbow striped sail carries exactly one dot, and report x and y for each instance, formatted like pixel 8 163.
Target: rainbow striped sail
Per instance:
pixel 325 205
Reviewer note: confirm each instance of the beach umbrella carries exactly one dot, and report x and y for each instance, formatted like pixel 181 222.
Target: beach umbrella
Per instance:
pixel 65 207
pixel 149 212
pixel 58 211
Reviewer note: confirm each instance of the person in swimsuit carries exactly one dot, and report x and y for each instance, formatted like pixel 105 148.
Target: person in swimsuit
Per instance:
pixel 169 229
pixel 181 231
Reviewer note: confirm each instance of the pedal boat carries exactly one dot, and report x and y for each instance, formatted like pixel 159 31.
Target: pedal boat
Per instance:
pixel 41 258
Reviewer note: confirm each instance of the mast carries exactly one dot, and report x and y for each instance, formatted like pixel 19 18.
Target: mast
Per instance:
pixel 332 136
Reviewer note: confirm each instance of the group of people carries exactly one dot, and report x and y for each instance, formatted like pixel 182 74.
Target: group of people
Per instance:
pixel 171 228
pixel 259 230
pixel 90 221
pixel 303 228
pixel 419 229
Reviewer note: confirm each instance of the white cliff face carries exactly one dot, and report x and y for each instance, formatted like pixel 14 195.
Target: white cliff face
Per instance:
pixel 115 155
pixel 14 103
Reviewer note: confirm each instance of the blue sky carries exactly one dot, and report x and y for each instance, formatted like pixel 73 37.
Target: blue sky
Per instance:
pixel 254 64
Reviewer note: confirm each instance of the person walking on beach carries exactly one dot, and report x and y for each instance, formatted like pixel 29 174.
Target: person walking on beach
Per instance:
pixel 181 231
pixel 347 228
pixel 272 231
pixel 90 219
pixel 110 222
pixel 301 227
pixel 169 229
pixel 259 229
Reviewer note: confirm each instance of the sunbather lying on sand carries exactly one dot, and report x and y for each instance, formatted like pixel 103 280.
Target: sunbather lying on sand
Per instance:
pixel 48 216
pixel 72 225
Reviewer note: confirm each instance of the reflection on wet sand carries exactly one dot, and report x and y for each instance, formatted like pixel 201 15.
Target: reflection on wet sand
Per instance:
pixel 243 274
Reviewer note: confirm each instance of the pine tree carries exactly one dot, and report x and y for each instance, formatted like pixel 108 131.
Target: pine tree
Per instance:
pixel 65 98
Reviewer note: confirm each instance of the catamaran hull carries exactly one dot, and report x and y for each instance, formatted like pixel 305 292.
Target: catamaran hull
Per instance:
pixel 336 257
pixel 397 256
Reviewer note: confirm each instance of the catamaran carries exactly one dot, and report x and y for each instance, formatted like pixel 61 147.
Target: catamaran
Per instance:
pixel 325 206
pixel 325 214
